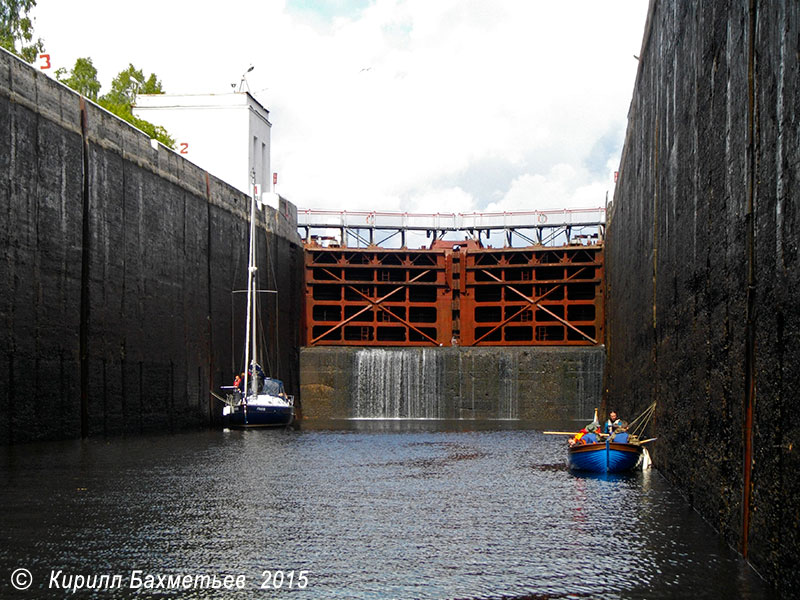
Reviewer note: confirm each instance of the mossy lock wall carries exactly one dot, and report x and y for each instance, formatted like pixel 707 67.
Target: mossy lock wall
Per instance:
pixel 702 266
pixel 115 287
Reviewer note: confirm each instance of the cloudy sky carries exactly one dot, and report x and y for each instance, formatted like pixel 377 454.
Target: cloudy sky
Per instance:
pixel 412 105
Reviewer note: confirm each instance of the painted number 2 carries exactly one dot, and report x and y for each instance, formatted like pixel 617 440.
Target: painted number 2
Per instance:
pixel 184 148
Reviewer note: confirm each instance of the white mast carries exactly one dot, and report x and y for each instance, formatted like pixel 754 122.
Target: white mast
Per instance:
pixel 250 331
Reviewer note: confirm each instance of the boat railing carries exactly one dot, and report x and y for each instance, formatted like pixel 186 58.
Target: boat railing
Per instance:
pixel 233 394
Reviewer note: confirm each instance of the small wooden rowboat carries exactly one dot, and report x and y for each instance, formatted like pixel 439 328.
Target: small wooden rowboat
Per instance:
pixel 605 457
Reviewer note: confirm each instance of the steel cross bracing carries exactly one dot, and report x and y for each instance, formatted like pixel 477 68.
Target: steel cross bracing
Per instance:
pixel 456 295
pixel 533 227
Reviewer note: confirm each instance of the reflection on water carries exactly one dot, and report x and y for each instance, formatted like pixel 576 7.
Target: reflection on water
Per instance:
pixel 404 425
pixel 369 514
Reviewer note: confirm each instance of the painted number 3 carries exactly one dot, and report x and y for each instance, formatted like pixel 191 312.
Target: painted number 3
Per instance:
pixel 45 64
pixel 184 148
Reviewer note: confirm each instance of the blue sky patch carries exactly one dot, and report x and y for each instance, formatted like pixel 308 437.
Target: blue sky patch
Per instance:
pixel 327 10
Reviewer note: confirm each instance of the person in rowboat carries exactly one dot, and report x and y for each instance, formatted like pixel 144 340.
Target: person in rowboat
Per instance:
pixel 592 430
pixel 620 434
pixel 612 422
pixel 587 435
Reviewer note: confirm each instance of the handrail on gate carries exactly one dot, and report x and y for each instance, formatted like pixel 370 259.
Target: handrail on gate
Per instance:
pixel 362 219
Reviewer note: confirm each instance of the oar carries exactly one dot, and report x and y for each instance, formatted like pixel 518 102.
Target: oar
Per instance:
pixel 648 441
pixel 560 432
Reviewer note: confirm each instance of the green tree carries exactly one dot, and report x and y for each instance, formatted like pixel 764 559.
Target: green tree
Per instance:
pixel 130 83
pixel 123 111
pixel 124 89
pixel 82 78
pixel 120 100
pixel 16 29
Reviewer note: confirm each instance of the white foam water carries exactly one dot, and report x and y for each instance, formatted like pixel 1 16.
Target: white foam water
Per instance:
pixel 401 383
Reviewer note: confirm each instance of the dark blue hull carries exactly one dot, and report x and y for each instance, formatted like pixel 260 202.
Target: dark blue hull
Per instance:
pixel 244 416
pixel 604 457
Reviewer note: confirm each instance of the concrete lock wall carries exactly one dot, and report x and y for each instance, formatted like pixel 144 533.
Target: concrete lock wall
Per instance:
pixel 702 266
pixel 115 302
pixel 541 387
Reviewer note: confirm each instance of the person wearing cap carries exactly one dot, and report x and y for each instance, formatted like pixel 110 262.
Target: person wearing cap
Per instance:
pixel 620 434
pixel 587 435
pixel 590 437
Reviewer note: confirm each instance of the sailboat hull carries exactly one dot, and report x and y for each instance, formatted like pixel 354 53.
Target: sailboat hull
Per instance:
pixel 244 416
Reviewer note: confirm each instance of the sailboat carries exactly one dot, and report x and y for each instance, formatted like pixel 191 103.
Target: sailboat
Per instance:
pixel 259 401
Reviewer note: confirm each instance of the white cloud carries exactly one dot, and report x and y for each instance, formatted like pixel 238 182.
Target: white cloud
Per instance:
pixel 441 200
pixel 405 104
pixel 563 186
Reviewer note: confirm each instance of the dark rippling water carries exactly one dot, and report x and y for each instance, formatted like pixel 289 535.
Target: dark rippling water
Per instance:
pixel 368 514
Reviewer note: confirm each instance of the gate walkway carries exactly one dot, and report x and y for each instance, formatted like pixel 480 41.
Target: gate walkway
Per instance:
pixel 536 227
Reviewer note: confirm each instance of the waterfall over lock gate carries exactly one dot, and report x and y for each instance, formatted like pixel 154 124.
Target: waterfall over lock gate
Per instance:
pixel 398 384
pixel 508 405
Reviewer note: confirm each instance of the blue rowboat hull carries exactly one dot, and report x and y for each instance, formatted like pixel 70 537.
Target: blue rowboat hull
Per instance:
pixel 244 416
pixel 604 457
